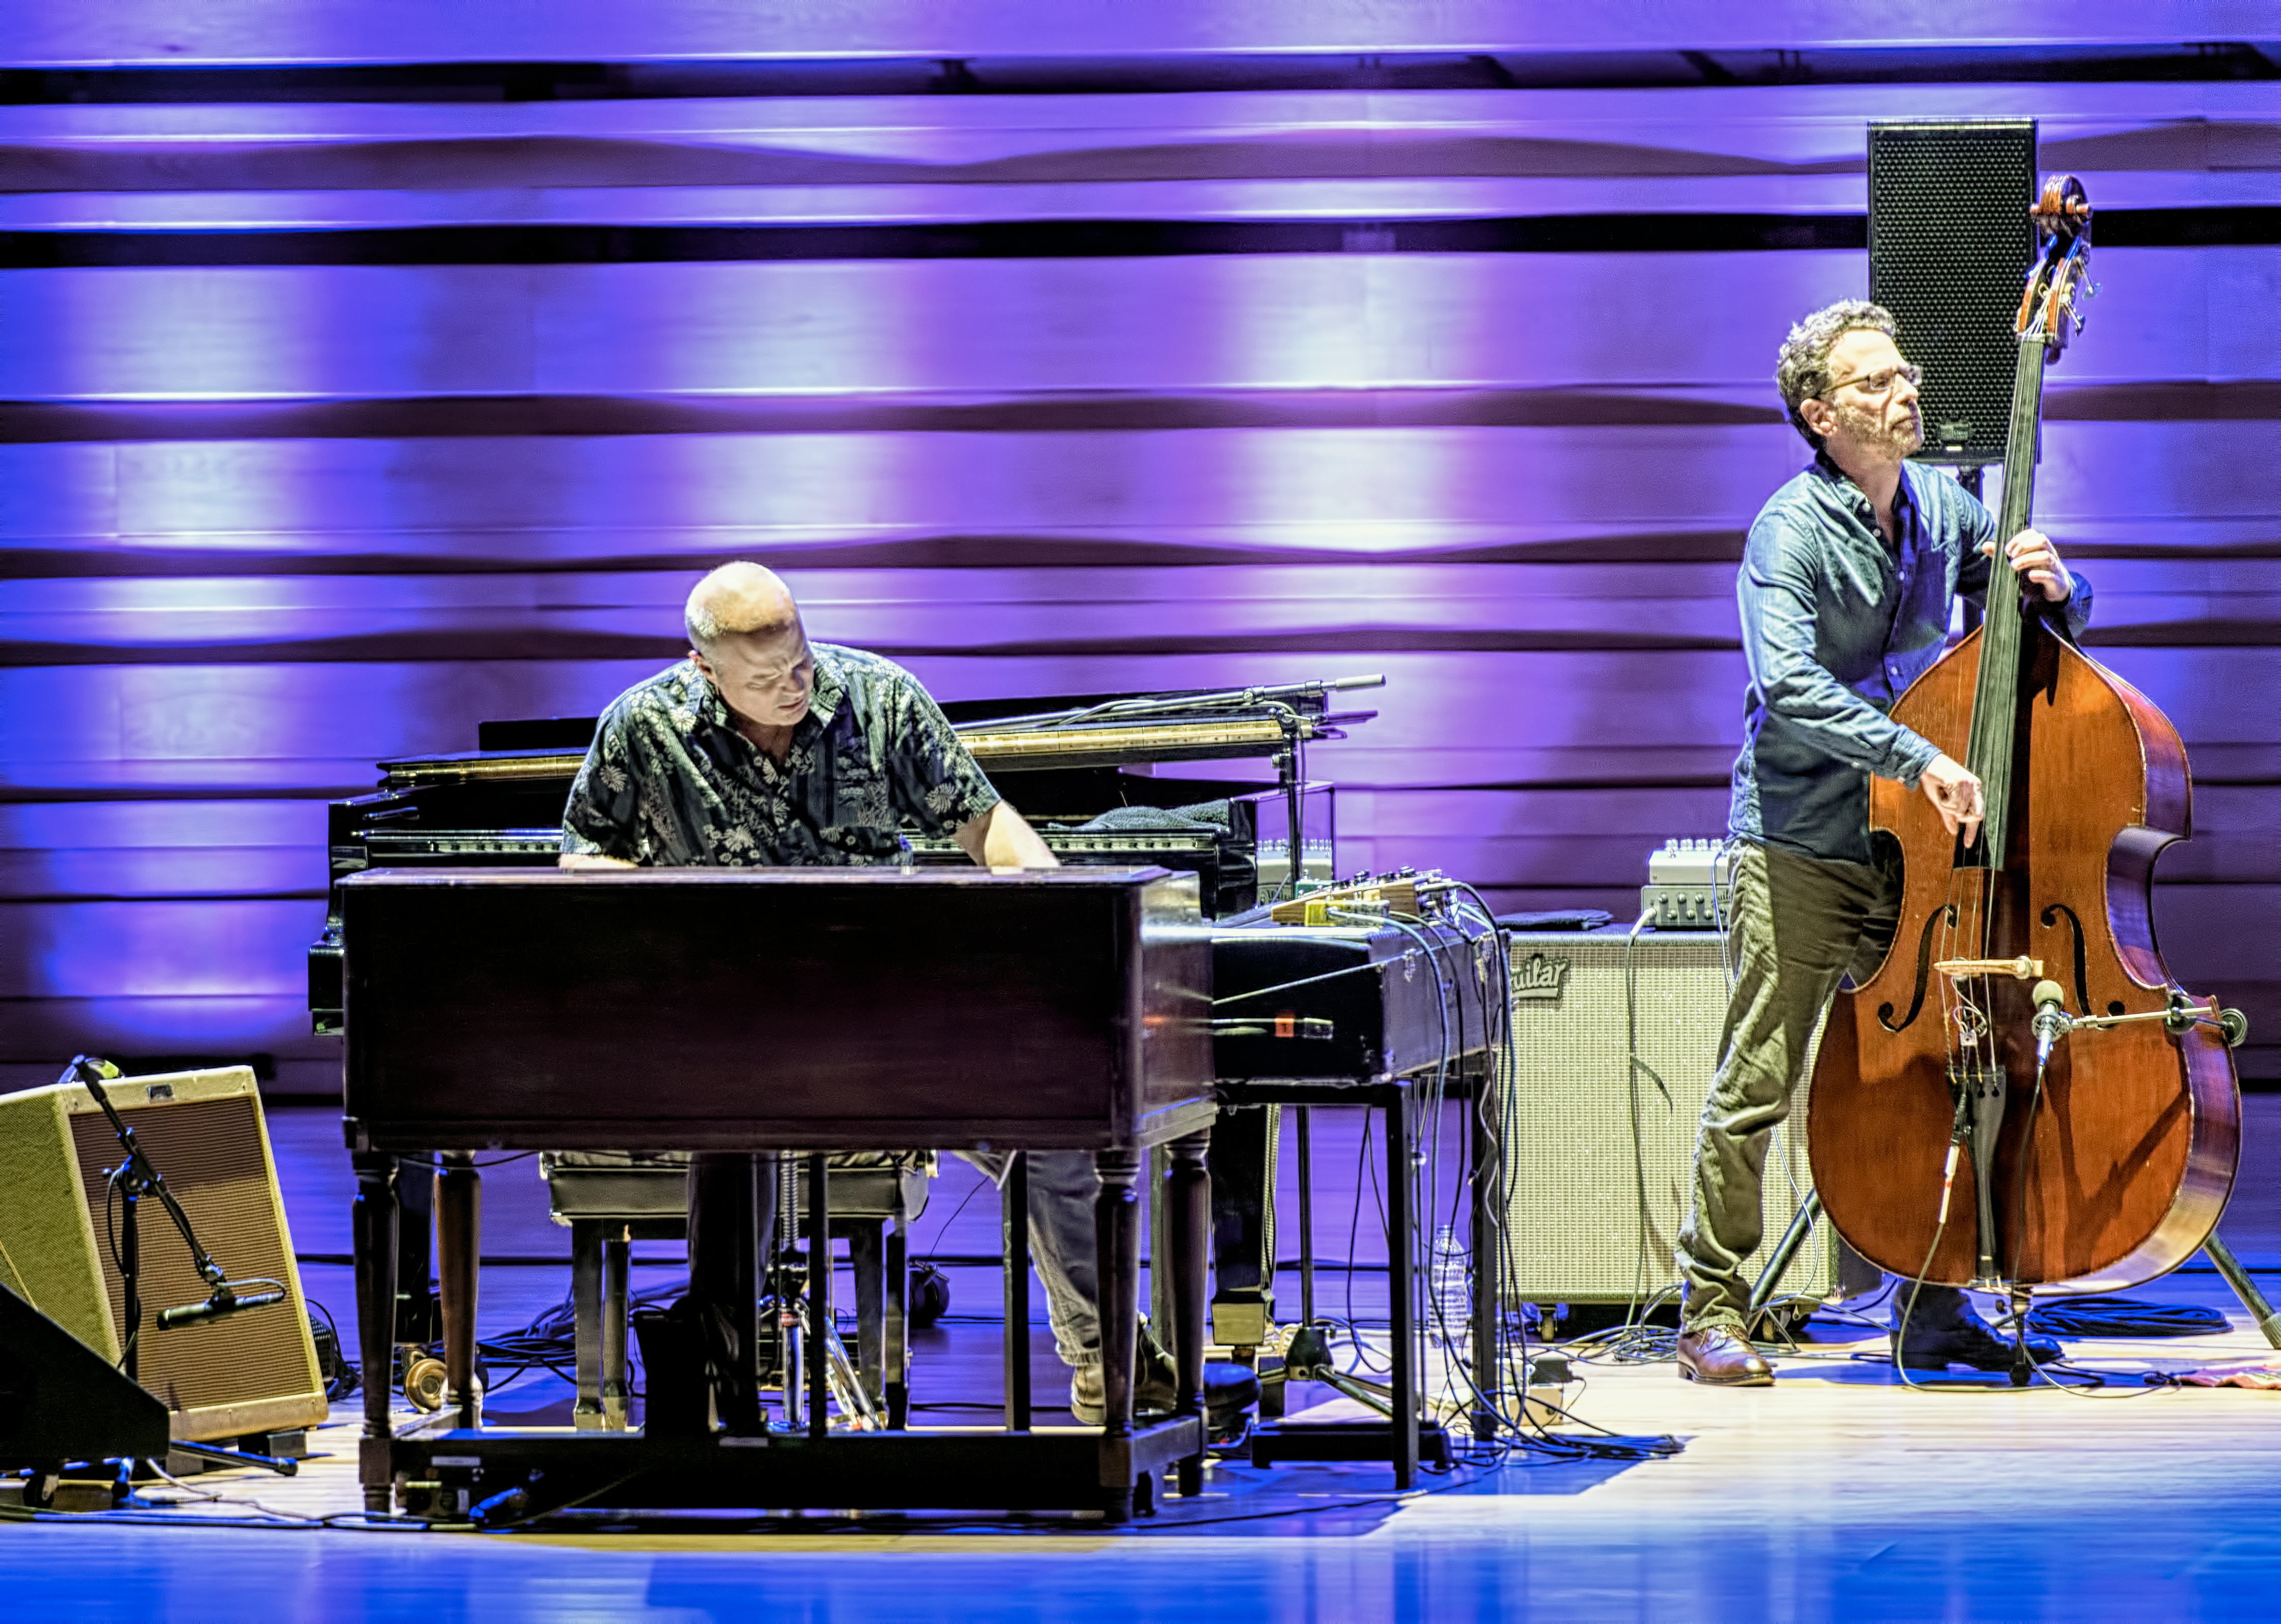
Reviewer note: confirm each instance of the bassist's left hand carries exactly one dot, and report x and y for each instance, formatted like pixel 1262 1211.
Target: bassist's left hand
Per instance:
pixel 2030 553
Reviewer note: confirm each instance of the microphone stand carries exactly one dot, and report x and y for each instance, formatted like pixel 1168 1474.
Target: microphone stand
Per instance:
pixel 135 1179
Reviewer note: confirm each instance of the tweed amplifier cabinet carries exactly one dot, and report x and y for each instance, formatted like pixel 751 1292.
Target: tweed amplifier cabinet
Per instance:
pixel 1599 1153
pixel 252 1372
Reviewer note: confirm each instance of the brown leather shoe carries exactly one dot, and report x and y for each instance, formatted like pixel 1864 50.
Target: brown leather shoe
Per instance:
pixel 1720 1358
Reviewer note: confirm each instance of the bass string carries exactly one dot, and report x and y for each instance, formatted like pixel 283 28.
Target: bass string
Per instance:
pixel 1968 1003
pixel 1967 1006
pixel 1974 1052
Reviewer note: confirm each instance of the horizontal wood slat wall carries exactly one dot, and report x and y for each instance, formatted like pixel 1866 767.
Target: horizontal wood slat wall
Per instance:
pixel 1004 386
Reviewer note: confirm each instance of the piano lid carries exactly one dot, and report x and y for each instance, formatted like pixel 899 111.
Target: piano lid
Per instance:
pixel 1014 734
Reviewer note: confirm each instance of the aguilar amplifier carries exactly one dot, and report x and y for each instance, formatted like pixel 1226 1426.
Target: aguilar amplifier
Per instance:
pixel 252 1372
pixel 1613 1041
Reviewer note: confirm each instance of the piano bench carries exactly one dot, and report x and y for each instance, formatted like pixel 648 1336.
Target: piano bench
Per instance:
pixel 610 1198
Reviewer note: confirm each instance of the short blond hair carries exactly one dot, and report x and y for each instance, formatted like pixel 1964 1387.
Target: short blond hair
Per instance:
pixel 741 598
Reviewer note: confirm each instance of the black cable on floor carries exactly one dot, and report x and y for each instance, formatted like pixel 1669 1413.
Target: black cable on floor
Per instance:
pixel 2118 1315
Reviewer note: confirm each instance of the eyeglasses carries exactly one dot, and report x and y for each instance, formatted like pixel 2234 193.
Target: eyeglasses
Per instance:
pixel 1875 383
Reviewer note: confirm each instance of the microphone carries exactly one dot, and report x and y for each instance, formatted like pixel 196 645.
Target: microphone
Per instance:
pixel 2051 1021
pixel 227 1299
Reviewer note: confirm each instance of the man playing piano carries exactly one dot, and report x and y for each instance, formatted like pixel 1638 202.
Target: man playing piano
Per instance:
pixel 765 749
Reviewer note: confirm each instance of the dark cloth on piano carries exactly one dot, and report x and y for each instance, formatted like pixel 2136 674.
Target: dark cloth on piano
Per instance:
pixel 670 782
pixel 1556 919
pixel 1203 814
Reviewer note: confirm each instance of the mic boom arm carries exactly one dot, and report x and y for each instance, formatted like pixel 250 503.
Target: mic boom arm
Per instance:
pixel 2053 1022
pixel 89 1073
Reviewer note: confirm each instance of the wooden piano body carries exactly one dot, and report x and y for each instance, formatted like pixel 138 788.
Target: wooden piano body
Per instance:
pixel 761 1010
pixel 775 1008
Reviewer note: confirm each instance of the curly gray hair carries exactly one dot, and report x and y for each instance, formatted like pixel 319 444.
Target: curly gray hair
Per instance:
pixel 1802 368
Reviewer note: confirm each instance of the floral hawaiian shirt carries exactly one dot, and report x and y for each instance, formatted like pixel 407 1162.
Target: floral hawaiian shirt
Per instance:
pixel 670 782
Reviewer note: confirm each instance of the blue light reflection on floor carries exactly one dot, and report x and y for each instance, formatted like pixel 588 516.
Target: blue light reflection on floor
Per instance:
pixel 1985 1563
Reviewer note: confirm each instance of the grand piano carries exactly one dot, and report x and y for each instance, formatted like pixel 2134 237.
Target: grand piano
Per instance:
pixel 1080 768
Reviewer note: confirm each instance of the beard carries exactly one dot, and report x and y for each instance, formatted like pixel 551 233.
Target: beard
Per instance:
pixel 1881 427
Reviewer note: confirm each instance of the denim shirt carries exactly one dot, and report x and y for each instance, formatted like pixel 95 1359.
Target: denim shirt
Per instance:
pixel 668 780
pixel 1836 626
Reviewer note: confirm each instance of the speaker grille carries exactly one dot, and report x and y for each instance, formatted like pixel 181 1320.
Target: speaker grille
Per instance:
pixel 1575 1168
pixel 1950 242
pixel 210 1153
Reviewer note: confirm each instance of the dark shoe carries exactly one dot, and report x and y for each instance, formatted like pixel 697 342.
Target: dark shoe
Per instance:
pixel 1962 1337
pixel 1230 1391
pixel 1718 1357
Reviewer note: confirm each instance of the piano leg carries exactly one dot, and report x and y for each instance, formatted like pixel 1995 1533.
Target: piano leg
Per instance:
pixel 894 1331
pixel 1190 1201
pixel 1488 1253
pixel 1239 1164
pixel 417 1323
pixel 724 1282
pixel 1401 1288
pixel 819 1295
pixel 867 1261
pixel 458 1241
pixel 374 1230
pixel 618 1265
pixel 1014 1238
pixel 1117 1241
pixel 587 1312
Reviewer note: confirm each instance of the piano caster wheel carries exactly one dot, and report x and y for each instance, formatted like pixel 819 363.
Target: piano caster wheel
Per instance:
pixel 1192 1477
pixel 423 1383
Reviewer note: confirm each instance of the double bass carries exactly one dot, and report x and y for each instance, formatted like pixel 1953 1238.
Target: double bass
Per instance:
pixel 2022 1096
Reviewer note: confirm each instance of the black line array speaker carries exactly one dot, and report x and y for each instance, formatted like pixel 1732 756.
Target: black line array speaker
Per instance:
pixel 1949 243
pixel 252 1372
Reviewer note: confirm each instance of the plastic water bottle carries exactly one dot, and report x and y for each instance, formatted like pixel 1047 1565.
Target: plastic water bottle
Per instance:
pixel 1451 1305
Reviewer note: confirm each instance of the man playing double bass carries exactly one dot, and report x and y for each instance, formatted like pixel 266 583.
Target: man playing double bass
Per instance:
pixel 1848 585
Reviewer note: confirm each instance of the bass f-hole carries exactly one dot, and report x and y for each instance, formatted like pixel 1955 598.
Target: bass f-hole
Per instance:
pixel 1940 918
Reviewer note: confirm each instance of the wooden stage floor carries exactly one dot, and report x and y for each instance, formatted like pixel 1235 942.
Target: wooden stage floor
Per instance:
pixel 1836 1494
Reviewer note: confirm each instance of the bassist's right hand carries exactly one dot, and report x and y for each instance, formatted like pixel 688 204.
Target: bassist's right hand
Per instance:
pixel 1955 794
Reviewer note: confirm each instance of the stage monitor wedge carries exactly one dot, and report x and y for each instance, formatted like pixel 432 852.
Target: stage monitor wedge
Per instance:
pixel 1949 243
pixel 248 1372
pixel 60 1401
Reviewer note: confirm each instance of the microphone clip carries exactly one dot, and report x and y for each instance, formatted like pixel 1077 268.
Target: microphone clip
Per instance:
pixel 2052 1021
pixel 229 1297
